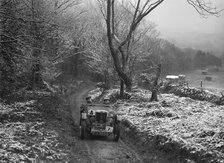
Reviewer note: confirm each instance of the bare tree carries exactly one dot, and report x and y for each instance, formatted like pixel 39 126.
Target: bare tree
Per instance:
pixel 140 9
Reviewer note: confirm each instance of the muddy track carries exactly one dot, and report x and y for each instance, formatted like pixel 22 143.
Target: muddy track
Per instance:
pixel 102 150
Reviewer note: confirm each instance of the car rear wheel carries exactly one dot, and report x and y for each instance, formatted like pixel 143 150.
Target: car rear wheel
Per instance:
pixel 82 130
pixel 116 132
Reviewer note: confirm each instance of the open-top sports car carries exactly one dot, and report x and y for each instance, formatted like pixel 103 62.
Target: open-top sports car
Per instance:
pixel 99 119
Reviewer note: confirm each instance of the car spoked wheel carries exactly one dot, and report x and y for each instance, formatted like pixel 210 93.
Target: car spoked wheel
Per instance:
pixel 116 132
pixel 82 130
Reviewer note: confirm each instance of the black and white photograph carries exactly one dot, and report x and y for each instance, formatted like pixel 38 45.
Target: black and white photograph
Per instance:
pixel 111 81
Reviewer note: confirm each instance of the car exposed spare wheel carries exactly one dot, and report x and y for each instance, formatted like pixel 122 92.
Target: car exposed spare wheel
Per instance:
pixel 82 130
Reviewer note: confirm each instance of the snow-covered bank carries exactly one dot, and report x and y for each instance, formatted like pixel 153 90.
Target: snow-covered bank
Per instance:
pixel 181 125
pixel 30 131
pixel 198 94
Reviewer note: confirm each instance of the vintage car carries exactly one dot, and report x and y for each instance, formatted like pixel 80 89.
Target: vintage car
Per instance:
pixel 99 120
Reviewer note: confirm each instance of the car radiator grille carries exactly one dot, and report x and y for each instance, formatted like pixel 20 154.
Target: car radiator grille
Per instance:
pixel 101 117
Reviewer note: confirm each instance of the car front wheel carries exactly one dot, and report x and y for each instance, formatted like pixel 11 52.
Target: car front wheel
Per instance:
pixel 82 130
pixel 116 132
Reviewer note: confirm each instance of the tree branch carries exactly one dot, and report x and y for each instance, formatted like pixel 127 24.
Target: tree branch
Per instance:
pixel 204 9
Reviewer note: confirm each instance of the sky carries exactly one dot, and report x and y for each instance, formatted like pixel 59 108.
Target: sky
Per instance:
pixel 180 23
pixel 178 14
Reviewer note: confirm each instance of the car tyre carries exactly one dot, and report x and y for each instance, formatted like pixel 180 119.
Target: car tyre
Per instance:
pixel 82 130
pixel 116 132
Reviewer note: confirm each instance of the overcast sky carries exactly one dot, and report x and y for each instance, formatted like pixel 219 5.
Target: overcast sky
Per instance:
pixel 179 15
pixel 179 22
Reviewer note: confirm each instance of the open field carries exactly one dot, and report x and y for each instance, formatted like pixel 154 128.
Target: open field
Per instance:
pixel 194 79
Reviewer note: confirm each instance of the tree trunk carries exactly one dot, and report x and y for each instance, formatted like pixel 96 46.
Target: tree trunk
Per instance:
pixel 106 79
pixel 124 76
pixel 121 88
pixel 36 79
pixel 114 51
pixel 154 96
pixel 120 70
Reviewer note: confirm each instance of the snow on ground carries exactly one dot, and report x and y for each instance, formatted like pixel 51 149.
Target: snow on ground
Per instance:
pixel 26 137
pixel 95 93
pixel 196 126
pixel 197 94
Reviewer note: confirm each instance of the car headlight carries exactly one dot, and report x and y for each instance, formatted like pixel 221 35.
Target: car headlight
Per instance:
pixel 84 115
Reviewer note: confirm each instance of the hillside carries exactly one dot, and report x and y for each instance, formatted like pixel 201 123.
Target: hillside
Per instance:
pixel 204 41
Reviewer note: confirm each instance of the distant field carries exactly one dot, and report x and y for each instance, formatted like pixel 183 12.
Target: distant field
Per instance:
pixel 194 79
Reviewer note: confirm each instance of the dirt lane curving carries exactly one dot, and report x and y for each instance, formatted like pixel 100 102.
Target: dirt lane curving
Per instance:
pixel 102 150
